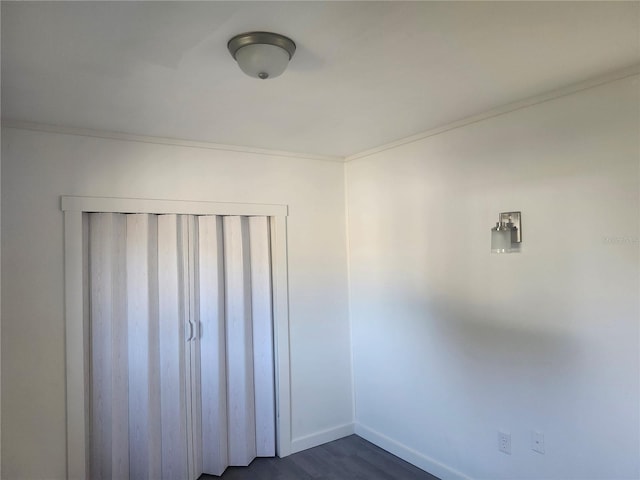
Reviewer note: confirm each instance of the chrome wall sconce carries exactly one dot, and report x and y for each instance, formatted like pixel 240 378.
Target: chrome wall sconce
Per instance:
pixel 506 236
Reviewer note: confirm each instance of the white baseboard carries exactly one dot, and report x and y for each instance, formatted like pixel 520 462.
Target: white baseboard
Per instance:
pixel 325 436
pixel 409 455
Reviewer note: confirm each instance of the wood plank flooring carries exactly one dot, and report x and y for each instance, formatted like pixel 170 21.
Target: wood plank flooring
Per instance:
pixel 350 458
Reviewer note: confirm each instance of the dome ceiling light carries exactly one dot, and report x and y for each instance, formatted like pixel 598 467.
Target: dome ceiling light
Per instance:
pixel 262 54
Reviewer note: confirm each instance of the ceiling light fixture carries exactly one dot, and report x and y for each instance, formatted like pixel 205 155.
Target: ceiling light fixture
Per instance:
pixel 262 54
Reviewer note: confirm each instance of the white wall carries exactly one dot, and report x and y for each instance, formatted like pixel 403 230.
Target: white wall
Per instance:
pixel 39 167
pixel 451 343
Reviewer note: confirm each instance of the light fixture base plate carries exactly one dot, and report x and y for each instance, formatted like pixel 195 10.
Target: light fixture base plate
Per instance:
pixel 268 38
pixel 516 219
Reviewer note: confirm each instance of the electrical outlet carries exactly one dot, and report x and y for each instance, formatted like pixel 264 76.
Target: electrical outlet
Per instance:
pixel 537 442
pixel 504 442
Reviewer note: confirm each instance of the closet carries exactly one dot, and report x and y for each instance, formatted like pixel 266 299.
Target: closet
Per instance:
pixel 181 356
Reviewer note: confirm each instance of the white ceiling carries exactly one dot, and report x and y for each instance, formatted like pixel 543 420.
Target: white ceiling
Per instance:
pixel 364 74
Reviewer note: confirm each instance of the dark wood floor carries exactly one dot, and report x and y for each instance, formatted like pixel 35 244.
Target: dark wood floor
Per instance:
pixel 350 458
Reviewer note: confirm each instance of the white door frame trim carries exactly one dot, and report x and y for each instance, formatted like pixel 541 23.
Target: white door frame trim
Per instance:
pixel 76 322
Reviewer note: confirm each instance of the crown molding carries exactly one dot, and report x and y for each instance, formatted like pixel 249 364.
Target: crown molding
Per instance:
pixel 511 107
pixel 495 112
pixel 85 132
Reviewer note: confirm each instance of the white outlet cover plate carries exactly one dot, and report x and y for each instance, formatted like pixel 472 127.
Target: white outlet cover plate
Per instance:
pixel 504 442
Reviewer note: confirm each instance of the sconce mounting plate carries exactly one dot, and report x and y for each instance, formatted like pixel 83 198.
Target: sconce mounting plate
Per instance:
pixel 515 219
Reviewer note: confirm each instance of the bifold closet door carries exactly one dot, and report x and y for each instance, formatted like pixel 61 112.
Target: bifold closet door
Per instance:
pixel 237 357
pixel 182 361
pixel 138 382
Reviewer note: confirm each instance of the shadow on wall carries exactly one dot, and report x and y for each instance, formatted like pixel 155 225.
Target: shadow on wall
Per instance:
pixel 495 337
pixel 503 366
